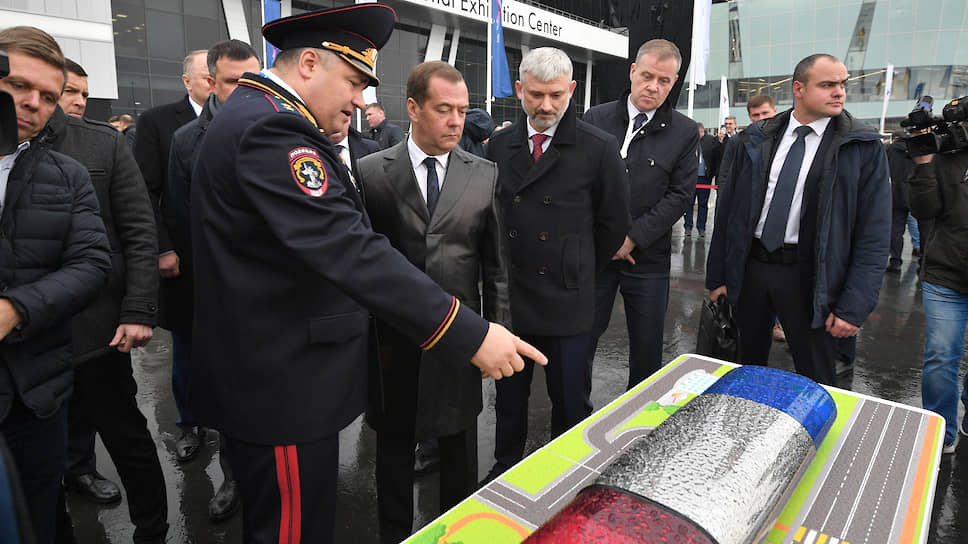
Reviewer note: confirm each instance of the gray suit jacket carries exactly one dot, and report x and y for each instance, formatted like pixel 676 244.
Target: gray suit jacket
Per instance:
pixel 460 247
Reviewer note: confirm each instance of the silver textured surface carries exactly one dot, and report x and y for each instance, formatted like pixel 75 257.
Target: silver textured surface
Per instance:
pixel 722 461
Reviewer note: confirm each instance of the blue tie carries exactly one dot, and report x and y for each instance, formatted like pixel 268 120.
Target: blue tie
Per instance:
pixel 433 187
pixel 640 120
pixel 774 230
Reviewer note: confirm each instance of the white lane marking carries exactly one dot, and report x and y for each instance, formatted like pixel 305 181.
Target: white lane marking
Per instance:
pixel 887 478
pixel 870 467
pixel 850 466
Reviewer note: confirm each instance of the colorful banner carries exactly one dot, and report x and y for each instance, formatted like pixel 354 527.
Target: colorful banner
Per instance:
pixel 500 76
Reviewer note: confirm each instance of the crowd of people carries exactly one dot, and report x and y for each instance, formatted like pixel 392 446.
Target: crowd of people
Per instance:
pixel 309 273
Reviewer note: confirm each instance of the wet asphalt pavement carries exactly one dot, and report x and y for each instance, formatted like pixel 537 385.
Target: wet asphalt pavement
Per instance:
pixel 889 354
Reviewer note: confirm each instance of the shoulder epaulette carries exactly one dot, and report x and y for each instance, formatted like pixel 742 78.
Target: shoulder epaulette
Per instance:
pixel 282 106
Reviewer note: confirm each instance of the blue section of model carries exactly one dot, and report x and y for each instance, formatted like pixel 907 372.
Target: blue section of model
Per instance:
pixel 800 397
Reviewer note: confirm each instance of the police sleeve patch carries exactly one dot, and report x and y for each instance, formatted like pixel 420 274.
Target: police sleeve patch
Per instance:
pixel 308 171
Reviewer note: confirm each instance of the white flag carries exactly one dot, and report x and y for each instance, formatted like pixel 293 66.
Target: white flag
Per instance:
pixel 700 39
pixel 888 83
pixel 723 101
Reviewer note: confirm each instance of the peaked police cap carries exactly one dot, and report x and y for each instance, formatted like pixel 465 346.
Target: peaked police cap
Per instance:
pixel 355 33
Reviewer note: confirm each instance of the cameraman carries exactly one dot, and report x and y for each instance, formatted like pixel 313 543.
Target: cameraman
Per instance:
pixel 939 191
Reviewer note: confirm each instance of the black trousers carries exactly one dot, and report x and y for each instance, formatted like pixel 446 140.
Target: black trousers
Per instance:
pixel 396 441
pixel 569 381
pixel 394 476
pixel 104 401
pixel 778 290
pixel 288 491
pixel 39 449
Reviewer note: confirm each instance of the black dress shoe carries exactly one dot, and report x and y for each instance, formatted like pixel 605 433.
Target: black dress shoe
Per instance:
pixel 894 267
pixel 94 487
pixel 225 503
pixel 188 444
pixel 843 368
pixel 495 472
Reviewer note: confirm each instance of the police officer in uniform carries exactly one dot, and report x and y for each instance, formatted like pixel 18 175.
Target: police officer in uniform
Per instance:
pixel 287 270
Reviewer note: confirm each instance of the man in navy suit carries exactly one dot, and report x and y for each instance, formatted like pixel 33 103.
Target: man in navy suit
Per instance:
pixel 659 146
pixel 152 146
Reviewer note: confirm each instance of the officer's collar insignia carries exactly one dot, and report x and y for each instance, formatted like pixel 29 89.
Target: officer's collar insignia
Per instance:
pixel 279 102
pixel 308 171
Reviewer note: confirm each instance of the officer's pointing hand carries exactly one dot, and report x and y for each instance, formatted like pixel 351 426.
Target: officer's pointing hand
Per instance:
pixel 500 354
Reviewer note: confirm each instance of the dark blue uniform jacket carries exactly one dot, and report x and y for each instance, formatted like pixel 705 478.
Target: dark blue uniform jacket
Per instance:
pixel 286 271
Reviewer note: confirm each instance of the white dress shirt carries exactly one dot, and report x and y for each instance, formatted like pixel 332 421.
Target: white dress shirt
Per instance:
pixel 630 130
pixel 344 152
pixel 549 132
pixel 417 157
pixel 196 107
pixel 811 144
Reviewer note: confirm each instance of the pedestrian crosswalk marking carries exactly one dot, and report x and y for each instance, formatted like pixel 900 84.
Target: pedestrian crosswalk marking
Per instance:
pixel 810 536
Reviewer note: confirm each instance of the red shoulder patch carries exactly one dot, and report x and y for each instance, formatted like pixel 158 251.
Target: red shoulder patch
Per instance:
pixel 308 171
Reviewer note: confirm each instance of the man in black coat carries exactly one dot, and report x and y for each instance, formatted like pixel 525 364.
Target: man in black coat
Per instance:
pixel 705 176
pixel 660 149
pixel 287 270
pixel 55 259
pixel 152 148
pixel 564 195
pixel 227 61
pixel 103 334
pixel 383 132
pixel 451 230
pixel 901 166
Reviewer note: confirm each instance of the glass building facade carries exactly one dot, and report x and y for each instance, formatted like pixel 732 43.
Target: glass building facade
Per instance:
pixel 757 43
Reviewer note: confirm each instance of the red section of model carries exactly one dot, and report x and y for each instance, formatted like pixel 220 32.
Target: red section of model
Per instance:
pixel 608 516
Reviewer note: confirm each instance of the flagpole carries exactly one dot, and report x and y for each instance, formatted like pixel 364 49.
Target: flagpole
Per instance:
pixel 490 58
pixel 692 57
pixel 888 83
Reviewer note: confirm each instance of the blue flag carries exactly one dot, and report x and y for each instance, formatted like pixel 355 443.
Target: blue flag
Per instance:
pixel 272 10
pixel 500 77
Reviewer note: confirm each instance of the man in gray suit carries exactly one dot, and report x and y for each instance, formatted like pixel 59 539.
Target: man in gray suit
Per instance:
pixel 438 206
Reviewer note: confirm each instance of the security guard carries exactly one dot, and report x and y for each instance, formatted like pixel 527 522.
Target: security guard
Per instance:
pixel 287 268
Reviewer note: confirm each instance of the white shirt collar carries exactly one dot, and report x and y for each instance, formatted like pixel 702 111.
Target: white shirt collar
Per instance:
pixel 8 160
pixel 633 111
pixel 195 106
pixel 818 126
pixel 417 156
pixel 345 142
pixel 549 132
pixel 278 81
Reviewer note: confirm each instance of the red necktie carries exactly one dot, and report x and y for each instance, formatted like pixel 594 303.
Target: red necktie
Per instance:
pixel 538 140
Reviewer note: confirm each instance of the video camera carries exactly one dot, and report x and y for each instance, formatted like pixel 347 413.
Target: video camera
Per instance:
pixel 948 131
pixel 8 114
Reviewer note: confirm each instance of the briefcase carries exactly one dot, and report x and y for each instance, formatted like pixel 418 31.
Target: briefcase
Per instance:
pixel 718 334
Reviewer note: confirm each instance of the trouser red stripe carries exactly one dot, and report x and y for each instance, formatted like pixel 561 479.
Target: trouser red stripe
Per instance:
pixel 287 473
